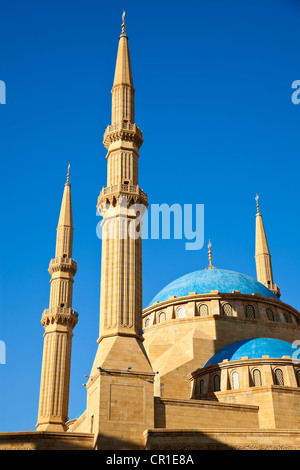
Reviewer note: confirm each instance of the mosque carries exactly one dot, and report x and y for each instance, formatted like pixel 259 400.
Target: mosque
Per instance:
pixel 209 364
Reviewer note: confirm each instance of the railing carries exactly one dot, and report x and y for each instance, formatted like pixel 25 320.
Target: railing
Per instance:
pixel 65 310
pixel 130 132
pixel 63 260
pixel 124 125
pixel 121 187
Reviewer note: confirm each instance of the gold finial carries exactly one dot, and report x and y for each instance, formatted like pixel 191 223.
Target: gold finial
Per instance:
pixel 210 256
pixel 123 23
pixel 257 205
pixel 68 174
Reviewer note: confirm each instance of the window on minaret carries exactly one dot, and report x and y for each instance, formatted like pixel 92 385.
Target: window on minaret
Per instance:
pixel 201 386
pixel 147 322
pixel 286 318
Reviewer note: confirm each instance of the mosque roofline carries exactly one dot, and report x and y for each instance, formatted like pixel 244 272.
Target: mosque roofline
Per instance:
pixel 215 295
pixel 227 364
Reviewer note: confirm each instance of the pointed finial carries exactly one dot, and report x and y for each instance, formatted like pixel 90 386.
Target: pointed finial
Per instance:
pixel 68 174
pixel 210 256
pixel 123 24
pixel 257 205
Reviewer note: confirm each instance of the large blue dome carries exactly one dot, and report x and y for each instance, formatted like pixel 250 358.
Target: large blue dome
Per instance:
pixel 253 348
pixel 202 282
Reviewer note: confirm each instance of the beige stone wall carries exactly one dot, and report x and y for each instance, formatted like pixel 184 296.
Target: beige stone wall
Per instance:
pixel 197 414
pixel 279 407
pixel 286 405
pixel 45 441
pixel 231 439
pixel 122 409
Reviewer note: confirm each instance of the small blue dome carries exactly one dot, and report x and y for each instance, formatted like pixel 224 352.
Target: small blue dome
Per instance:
pixel 202 282
pixel 253 348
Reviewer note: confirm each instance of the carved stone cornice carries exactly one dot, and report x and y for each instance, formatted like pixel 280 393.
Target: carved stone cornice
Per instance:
pixel 124 131
pixel 112 194
pixel 59 316
pixel 62 264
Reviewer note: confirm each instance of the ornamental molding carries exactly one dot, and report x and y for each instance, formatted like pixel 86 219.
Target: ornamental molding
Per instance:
pixel 63 264
pixel 124 131
pixel 215 295
pixel 53 316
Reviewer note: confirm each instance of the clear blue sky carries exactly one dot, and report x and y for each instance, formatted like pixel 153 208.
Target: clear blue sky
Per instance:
pixel 213 98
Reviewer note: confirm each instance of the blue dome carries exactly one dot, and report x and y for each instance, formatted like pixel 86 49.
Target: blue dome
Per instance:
pixel 202 282
pixel 253 348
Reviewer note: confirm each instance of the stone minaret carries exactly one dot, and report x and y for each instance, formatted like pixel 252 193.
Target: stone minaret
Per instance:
pixel 121 274
pixel 262 255
pixel 120 386
pixel 58 322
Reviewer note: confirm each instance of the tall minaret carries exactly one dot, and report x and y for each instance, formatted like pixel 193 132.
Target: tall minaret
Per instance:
pixel 120 385
pixel 262 254
pixel 58 322
pixel 121 275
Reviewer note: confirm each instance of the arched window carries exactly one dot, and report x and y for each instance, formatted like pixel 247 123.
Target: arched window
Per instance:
pixel 216 383
pixel 227 310
pixel 201 386
pixel 162 317
pixel 147 322
pixel 298 377
pixel 279 377
pixel 250 311
pixel 235 380
pixel 203 310
pixel 270 314
pixel 286 318
pixel 181 312
pixel 257 378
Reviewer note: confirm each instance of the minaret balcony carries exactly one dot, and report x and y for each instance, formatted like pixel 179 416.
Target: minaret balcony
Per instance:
pixel 125 131
pixel 60 316
pixel 116 190
pixel 60 310
pixel 62 264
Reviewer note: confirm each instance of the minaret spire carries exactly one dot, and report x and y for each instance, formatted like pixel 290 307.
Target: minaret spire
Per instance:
pixel 262 254
pixel 68 174
pixel 257 205
pixel 123 89
pixel 58 321
pixel 65 222
pixel 123 23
